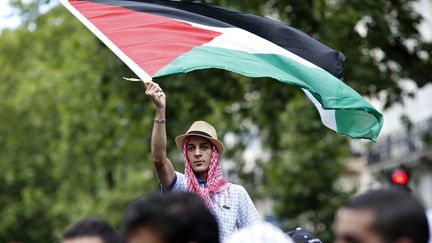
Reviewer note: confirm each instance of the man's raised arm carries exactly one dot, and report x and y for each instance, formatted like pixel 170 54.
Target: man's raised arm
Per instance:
pixel 164 169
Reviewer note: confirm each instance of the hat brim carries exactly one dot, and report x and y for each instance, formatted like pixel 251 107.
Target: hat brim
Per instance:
pixel 180 139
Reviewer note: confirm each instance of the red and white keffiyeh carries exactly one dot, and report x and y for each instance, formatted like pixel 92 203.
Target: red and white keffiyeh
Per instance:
pixel 215 180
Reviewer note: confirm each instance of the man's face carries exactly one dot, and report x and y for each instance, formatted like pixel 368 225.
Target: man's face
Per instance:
pixel 84 239
pixel 144 235
pixel 355 226
pixel 199 151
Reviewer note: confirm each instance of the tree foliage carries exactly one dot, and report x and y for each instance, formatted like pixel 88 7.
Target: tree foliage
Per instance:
pixel 63 153
pixel 74 137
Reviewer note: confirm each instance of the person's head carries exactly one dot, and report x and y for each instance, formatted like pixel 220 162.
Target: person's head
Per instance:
pixel 199 145
pixel 91 230
pixel 259 233
pixel 381 216
pixel 170 218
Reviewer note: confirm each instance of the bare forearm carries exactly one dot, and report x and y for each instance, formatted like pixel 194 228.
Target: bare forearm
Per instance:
pixel 158 139
pixel 164 168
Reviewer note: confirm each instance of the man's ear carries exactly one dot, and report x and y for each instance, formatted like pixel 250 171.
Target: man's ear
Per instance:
pixel 404 240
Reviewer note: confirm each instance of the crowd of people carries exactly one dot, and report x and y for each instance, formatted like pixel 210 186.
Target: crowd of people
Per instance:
pixel 377 216
pixel 201 206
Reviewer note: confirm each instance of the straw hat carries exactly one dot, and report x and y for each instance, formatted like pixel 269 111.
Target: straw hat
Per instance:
pixel 201 129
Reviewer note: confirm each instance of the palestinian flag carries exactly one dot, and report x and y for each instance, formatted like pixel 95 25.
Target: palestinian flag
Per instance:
pixel 159 37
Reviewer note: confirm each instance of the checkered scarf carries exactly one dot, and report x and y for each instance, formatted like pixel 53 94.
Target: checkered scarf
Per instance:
pixel 215 180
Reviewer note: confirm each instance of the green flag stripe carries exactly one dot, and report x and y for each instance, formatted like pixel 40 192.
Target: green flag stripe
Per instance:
pixel 355 117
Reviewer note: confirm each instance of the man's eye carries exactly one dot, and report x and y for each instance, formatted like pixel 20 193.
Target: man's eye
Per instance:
pixel 205 147
pixel 190 149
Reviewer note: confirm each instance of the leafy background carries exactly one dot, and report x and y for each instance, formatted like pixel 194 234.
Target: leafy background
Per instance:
pixel 74 137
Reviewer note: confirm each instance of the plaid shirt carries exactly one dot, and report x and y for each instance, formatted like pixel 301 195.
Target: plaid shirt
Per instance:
pixel 232 207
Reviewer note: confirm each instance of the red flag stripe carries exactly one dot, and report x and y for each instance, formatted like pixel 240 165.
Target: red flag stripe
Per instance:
pixel 150 41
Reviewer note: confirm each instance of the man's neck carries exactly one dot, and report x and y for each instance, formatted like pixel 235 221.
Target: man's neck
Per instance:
pixel 202 176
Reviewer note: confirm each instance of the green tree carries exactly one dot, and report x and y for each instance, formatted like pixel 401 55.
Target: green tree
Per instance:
pixel 73 142
pixel 74 137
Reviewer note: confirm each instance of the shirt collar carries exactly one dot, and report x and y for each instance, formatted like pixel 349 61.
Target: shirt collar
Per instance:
pixel 200 181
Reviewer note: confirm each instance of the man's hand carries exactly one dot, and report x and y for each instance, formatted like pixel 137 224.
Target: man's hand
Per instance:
pixel 156 94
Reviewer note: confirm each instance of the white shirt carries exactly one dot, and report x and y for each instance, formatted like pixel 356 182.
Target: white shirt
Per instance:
pixel 232 207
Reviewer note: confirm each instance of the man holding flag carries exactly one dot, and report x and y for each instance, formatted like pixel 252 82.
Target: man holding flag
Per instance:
pixel 230 203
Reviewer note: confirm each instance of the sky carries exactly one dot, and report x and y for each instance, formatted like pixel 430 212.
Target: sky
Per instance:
pixel 9 19
pixel 425 8
pixel 6 18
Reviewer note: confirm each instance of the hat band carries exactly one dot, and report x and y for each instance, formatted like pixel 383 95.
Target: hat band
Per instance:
pixel 199 133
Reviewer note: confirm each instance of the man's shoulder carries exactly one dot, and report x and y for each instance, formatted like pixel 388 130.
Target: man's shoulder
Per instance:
pixel 179 174
pixel 237 189
pixel 238 186
pixel 180 177
pixel 179 183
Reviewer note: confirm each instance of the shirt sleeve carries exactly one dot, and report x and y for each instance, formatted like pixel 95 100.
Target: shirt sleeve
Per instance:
pixel 247 213
pixel 177 185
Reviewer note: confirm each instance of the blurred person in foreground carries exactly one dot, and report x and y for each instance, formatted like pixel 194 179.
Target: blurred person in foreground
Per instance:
pixel 381 216
pixel 170 218
pixel 300 235
pixel 259 233
pixel 202 151
pixel 91 230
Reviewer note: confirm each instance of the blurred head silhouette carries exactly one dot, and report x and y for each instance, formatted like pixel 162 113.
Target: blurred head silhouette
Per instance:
pixel 170 218
pixel 382 216
pixel 91 230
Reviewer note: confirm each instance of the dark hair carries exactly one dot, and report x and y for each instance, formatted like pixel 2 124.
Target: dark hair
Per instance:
pixel 93 227
pixel 175 217
pixel 397 214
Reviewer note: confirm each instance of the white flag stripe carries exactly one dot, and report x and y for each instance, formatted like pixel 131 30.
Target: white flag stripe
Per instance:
pixel 242 40
pixel 328 117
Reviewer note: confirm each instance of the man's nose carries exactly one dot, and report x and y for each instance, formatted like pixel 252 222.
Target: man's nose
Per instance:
pixel 197 152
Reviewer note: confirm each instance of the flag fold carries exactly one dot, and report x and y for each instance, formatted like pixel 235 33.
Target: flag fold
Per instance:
pixel 158 37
